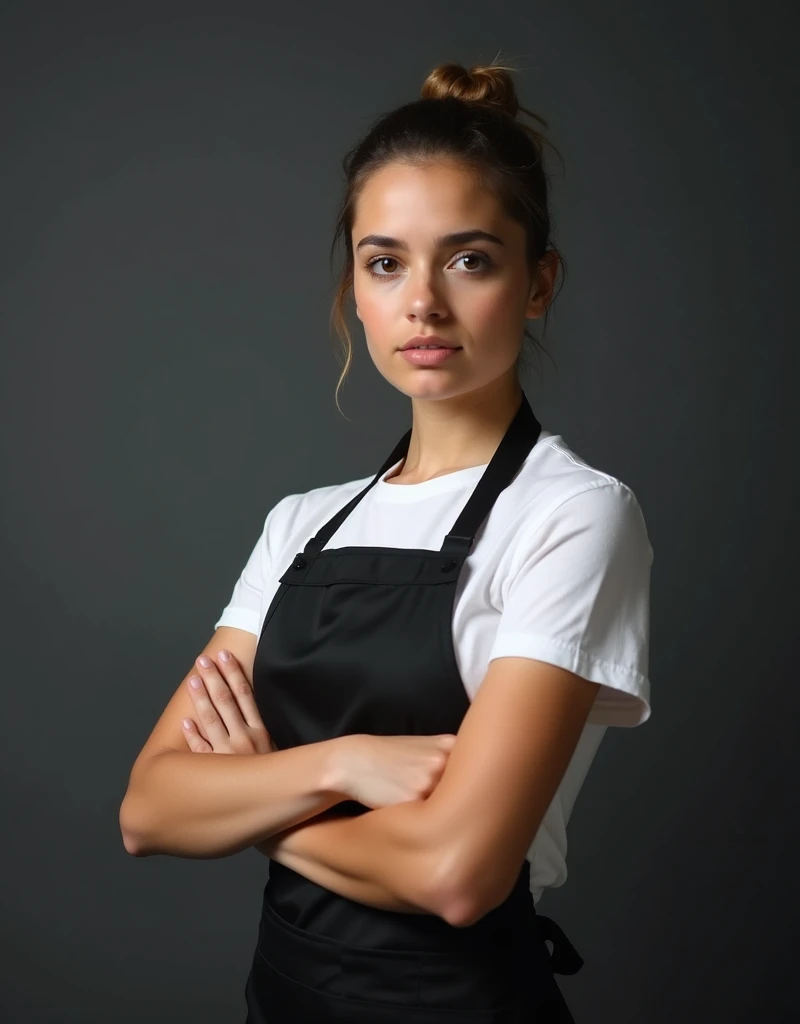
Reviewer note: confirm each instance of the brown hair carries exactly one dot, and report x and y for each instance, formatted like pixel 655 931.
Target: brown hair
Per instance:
pixel 467 115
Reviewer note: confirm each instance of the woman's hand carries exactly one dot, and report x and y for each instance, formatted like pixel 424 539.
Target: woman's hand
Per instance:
pixel 227 717
pixel 230 723
pixel 373 770
pixel 378 771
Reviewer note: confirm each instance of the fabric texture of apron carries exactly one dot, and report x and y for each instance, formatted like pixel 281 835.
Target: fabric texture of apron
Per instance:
pixel 359 640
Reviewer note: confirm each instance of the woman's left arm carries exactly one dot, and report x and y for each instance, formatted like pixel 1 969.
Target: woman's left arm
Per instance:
pixel 513 747
pixel 457 853
pixel 302 849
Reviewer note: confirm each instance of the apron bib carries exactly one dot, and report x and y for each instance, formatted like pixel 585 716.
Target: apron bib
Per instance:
pixel 359 640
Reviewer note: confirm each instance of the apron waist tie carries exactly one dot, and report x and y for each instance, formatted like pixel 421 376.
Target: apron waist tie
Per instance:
pixel 565 959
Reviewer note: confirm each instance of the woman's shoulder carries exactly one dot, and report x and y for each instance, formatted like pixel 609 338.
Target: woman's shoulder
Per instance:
pixel 559 490
pixel 325 494
pixel 554 459
pixel 293 511
pixel 554 472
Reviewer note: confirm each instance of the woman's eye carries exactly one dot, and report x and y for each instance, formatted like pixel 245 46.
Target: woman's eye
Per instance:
pixel 483 264
pixel 380 260
pixel 482 260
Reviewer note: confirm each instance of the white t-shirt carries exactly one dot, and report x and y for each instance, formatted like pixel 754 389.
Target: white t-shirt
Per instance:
pixel 559 571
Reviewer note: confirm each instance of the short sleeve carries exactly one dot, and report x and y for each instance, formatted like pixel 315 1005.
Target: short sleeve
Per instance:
pixel 579 597
pixel 243 610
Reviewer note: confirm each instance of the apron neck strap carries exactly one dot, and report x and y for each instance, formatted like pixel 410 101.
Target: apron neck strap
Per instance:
pixel 521 435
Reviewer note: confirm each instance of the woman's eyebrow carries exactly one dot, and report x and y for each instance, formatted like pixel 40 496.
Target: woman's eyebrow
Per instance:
pixel 456 238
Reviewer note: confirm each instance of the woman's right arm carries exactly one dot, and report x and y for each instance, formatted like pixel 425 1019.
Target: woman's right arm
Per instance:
pixel 212 805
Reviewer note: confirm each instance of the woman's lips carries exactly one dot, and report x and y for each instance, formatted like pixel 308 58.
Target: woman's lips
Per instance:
pixel 427 356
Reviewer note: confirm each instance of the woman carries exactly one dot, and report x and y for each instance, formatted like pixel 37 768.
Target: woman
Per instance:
pixel 442 644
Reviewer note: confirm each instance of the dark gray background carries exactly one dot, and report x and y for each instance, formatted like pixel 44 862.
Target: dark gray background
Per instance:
pixel 169 177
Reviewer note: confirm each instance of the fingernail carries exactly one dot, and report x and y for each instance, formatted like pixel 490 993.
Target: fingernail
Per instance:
pixel 224 656
pixel 205 661
pixel 194 682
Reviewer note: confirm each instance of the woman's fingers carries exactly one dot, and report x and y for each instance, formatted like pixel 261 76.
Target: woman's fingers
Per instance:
pixel 217 712
pixel 241 689
pixel 196 743
pixel 254 734
pixel 227 715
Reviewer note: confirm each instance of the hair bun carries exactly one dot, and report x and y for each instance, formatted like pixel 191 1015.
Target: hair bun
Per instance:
pixel 487 84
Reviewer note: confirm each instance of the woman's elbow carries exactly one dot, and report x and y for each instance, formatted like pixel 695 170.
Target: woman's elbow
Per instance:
pixel 133 827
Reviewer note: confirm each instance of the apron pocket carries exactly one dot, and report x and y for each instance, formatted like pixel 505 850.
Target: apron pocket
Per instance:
pixel 318 977
pixel 273 998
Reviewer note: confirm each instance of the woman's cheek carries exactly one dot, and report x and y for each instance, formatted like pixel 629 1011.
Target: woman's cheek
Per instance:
pixel 494 318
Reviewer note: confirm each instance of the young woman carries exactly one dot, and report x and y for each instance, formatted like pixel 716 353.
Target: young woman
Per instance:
pixel 416 667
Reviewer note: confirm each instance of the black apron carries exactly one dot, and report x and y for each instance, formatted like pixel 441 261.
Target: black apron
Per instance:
pixel 359 640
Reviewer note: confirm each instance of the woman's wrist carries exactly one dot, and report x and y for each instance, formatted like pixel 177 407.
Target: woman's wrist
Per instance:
pixel 336 773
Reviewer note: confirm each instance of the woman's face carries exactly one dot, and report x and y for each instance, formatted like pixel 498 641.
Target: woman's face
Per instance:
pixel 475 292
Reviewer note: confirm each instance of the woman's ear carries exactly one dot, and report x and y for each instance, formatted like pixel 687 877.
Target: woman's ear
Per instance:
pixel 537 301
pixel 542 287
